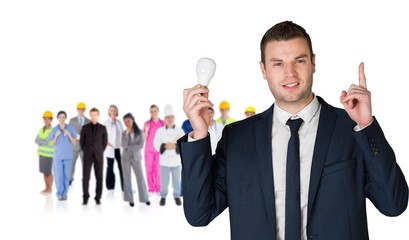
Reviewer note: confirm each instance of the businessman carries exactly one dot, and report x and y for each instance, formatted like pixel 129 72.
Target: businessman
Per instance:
pixel 77 123
pixel 302 169
pixel 93 140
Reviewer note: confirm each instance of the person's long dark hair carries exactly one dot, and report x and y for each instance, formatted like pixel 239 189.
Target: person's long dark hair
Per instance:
pixel 135 127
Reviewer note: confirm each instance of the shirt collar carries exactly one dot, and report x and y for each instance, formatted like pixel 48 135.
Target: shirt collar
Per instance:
pixel 173 127
pixel 306 113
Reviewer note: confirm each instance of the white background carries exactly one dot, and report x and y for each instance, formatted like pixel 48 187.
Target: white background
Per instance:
pixel 54 54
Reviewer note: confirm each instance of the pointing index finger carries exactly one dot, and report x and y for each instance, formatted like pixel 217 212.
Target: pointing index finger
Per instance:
pixel 362 78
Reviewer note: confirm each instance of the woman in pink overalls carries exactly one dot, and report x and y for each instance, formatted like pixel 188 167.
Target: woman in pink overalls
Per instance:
pixel 151 155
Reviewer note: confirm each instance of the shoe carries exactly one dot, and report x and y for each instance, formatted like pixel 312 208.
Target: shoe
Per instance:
pixel 64 197
pixel 178 201
pixel 60 198
pixel 148 203
pixel 85 202
pixel 98 201
pixel 131 204
pixel 162 202
pixel 44 193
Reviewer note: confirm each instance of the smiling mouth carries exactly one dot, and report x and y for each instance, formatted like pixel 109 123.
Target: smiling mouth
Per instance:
pixel 291 85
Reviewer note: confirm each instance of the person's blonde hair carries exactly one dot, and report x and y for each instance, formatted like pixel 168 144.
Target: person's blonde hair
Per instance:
pixel 116 108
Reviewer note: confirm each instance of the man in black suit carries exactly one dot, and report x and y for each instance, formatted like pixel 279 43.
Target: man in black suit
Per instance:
pixel 93 141
pixel 308 183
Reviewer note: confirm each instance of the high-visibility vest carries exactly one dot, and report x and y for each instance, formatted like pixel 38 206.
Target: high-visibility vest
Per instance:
pixel 228 121
pixel 45 150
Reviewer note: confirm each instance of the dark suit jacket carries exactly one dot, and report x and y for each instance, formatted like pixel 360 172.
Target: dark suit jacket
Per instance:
pixel 93 144
pixel 347 168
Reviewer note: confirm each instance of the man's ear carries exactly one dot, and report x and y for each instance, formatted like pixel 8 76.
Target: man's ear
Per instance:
pixel 263 70
pixel 313 62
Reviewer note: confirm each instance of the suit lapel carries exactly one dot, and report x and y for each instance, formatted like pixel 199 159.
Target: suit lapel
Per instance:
pixel 326 126
pixel 264 156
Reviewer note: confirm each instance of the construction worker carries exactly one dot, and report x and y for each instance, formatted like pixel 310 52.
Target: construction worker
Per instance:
pixel 224 108
pixel 45 152
pixel 249 111
pixel 77 123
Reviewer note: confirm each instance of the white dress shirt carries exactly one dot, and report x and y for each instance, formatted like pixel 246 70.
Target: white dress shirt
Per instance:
pixel 215 130
pixel 280 136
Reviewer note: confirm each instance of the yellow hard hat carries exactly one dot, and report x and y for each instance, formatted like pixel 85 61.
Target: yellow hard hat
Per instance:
pixel 81 105
pixel 224 105
pixel 48 114
pixel 250 109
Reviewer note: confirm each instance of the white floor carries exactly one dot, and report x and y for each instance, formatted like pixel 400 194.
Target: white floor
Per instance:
pixel 26 214
pixel 44 217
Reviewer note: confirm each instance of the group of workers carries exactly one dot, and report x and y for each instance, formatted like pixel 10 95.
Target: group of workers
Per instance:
pixel 60 146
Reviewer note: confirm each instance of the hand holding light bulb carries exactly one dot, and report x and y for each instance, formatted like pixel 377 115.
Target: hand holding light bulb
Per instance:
pixel 195 100
pixel 205 69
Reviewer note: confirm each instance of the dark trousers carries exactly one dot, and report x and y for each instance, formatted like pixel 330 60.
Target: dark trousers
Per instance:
pixel 86 174
pixel 110 176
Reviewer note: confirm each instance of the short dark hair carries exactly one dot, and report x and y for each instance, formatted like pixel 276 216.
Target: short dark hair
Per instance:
pixel 211 109
pixel 61 112
pixel 94 109
pixel 284 31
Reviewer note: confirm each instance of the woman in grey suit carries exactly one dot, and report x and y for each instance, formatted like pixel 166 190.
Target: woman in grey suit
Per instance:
pixel 132 143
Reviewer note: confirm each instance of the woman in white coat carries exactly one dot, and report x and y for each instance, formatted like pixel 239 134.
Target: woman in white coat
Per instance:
pixel 132 144
pixel 113 151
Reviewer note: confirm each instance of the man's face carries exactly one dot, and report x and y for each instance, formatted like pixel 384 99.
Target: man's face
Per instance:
pixel 94 115
pixel 224 112
pixel 249 114
pixel 47 121
pixel 170 120
pixel 289 70
pixel 211 115
pixel 80 112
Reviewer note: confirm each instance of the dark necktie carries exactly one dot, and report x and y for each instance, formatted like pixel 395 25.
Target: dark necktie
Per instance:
pixel 292 197
pixel 94 130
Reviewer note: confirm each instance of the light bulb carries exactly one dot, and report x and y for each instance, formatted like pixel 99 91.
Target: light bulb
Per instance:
pixel 205 70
